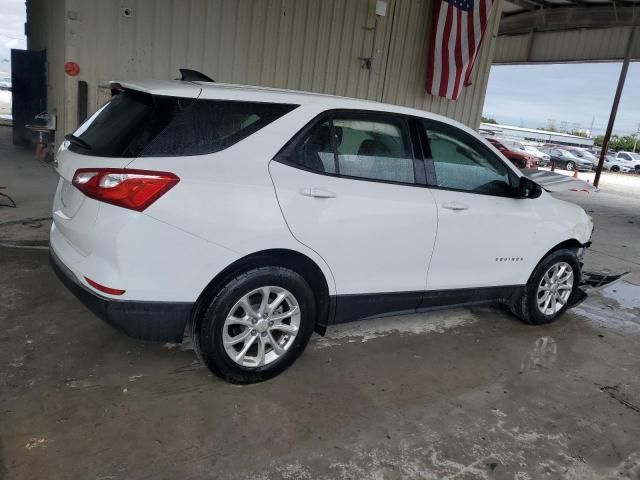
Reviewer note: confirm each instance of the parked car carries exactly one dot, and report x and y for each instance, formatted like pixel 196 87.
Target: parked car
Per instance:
pixel 613 164
pixel 519 159
pixel 563 158
pixel 251 217
pixel 526 149
pixel 595 151
pixel 585 155
pixel 543 158
pixel 630 159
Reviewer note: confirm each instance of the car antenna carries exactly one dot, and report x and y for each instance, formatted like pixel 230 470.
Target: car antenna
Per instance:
pixel 188 75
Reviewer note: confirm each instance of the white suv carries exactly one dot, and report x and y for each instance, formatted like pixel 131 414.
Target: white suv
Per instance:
pixel 630 160
pixel 250 217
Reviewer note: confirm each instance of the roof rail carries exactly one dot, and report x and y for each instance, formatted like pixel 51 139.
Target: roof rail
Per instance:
pixel 188 75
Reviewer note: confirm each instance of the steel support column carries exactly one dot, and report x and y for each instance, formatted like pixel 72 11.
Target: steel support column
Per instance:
pixel 614 107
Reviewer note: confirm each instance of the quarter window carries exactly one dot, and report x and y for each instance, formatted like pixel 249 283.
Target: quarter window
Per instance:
pixel 374 147
pixel 460 163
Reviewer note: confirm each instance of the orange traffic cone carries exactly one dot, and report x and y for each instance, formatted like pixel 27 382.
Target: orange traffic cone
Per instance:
pixel 575 173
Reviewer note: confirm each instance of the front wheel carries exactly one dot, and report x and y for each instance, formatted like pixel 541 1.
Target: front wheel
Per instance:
pixel 615 168
pixel 550 289
pixel 256 326
pixel 570 166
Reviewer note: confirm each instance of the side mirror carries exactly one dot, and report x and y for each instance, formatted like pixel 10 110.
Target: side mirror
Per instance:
pixel 529 188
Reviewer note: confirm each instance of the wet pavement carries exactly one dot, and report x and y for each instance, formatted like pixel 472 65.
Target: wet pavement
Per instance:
pixel 467 393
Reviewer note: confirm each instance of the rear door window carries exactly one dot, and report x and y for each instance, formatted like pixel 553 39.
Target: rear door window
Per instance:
pixel 364 145
pixel 376 148
pixel 135 124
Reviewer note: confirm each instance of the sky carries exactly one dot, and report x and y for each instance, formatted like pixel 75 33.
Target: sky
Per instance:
pixel 530 95
pixel 12 17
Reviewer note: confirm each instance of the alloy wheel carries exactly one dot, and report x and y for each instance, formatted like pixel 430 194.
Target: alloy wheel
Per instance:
pixel 555 288
pixel 261 327
pixel 570 166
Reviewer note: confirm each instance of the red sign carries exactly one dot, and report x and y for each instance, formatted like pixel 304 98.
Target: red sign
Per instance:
pixel 72 69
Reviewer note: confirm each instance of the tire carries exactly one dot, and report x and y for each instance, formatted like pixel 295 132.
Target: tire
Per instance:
pixel 615 168
pixel 217 324
pixel 570 166
pixel 525 305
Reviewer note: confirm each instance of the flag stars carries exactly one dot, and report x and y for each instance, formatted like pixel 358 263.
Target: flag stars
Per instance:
pixel 465 5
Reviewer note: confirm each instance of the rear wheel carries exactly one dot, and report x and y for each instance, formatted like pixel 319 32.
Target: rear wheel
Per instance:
pixel 570 166
pixel 257 325
pixel 615 168
pixel 550 288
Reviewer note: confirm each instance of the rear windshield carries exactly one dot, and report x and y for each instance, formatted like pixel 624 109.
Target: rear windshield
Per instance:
pixel 135 124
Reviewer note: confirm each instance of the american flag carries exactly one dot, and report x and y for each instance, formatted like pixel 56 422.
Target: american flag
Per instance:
pixel 457 30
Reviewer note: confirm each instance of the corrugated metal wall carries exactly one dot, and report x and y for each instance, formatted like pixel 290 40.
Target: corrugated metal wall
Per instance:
pixel 406 72
pixel 580 45
pixel 314 45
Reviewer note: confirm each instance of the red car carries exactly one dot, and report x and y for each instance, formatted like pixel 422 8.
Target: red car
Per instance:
pixel 520 160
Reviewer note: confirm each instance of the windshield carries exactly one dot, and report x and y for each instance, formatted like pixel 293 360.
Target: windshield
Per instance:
pixel 635 156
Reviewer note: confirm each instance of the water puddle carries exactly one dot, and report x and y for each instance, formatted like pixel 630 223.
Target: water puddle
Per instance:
pixel 613 306
pixel 626 294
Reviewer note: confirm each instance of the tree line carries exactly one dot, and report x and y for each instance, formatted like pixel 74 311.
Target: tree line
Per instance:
pixel 617 142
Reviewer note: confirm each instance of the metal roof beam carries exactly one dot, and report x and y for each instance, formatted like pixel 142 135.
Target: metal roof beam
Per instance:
pixel 565 18
pixel 526 4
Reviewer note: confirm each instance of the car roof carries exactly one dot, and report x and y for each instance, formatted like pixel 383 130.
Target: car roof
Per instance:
pixel 227 91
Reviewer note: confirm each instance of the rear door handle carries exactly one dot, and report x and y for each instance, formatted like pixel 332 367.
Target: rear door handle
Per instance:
pixel 454 206
pixel 317 192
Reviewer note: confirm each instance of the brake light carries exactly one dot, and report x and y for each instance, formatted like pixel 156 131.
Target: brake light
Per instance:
pixel 102 288
pixel 132 189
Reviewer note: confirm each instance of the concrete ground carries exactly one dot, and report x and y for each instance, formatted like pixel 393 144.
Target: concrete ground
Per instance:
pixel 465 394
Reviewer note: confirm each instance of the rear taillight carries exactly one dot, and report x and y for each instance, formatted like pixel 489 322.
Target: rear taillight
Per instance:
pixel 133 189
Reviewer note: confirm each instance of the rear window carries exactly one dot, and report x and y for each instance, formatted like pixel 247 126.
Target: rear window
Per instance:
pixel 135 124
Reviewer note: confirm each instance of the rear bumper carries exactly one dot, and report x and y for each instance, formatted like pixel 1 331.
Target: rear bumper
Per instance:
pixel 155 321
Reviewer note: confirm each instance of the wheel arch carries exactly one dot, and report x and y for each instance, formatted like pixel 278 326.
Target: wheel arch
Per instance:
pixel 281 257
pixel 571 244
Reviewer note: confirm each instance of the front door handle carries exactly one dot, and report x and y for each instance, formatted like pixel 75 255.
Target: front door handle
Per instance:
pixel 317 193
pixel 454 206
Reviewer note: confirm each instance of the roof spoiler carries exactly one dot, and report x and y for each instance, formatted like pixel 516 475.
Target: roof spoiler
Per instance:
pixel 188 75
